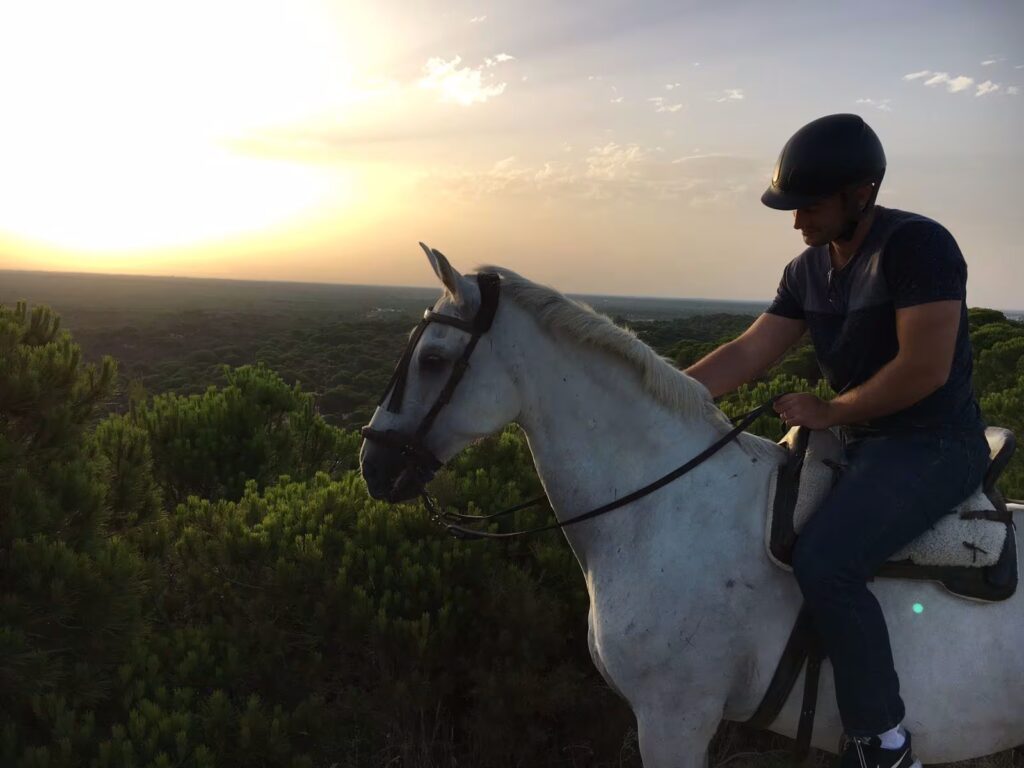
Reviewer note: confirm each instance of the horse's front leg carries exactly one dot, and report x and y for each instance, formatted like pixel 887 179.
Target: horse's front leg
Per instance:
pixel 672 736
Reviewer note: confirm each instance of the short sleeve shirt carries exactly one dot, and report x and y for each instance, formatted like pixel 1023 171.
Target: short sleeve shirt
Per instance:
pixel 905 259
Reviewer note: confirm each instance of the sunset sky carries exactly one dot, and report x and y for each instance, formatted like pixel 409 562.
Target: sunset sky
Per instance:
pixel 600 147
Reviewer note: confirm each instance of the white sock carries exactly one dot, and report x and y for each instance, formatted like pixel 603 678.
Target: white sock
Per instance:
pixel 893 738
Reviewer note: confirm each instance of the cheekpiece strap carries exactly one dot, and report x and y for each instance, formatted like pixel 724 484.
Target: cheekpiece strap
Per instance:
pixel 489 284
pixel 397 383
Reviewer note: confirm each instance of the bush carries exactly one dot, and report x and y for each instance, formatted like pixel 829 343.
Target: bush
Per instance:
pixel 255 428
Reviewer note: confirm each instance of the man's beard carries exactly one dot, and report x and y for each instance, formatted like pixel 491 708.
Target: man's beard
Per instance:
pixel 853 215
pixel 818 238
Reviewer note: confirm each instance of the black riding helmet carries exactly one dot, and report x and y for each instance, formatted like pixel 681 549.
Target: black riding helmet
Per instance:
pixel 822 158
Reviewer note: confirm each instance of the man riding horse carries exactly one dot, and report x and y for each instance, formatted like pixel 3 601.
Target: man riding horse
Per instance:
pixel 883 294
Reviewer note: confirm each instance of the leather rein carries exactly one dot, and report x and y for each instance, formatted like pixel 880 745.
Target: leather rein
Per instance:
pixel 418 456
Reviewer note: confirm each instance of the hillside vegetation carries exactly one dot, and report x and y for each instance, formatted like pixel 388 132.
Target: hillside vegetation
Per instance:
pixel 192 573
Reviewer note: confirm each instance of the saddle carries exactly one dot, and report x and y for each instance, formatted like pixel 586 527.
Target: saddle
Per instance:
pixel 972 552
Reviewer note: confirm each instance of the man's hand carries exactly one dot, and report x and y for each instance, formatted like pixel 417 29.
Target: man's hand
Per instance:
pixel 802 409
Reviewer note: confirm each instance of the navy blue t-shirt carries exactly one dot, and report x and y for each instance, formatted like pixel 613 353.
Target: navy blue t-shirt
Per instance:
pixel 905 259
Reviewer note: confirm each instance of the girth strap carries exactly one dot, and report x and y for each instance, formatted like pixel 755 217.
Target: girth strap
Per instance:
pixel 803 644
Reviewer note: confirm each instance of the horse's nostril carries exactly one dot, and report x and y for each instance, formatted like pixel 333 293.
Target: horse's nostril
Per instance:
pixel 372 471
pixel 377 483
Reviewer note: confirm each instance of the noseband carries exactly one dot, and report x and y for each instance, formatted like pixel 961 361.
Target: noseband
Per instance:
pixel 412 446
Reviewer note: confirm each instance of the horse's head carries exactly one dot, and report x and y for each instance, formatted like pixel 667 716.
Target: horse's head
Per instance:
pixel 451 387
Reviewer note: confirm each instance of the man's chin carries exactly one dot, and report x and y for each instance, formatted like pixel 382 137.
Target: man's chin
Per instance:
pixel 815 240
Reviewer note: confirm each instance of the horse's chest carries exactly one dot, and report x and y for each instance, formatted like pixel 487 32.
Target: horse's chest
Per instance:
pixel 635 639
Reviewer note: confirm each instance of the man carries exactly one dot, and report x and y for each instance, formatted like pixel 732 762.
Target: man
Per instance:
pixel 882 293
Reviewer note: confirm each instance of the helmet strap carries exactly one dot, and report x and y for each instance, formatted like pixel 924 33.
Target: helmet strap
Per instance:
pixel 854 217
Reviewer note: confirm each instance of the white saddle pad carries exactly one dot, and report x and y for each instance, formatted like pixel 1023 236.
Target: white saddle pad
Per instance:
pixel 951 541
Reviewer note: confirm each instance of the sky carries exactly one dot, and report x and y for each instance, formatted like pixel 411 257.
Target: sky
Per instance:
pixel 604 147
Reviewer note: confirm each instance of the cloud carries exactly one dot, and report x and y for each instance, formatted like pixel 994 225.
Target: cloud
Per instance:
pixel 698 156
pixel 990 62
pixel 957 84
pixel 953 84
pixel 961 83
pixel 462 85
pixel 609 172
pixel 477 19
pixel 661 106
pixel 879 104
pixel 616 100
pixel 705 195
pixel 507 176
pixel 605 171
pixel 501 58
pixel 724 163
pixel 613 161
pixel 731 94
pixel 670 86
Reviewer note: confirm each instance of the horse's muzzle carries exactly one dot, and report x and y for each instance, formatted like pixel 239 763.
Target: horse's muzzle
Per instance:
pixel 390 475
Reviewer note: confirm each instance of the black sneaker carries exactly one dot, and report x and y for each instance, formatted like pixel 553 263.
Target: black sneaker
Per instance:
pixel 859 752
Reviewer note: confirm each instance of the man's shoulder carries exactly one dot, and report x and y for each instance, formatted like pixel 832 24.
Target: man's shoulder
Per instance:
pixel 907 229
pixel 921 261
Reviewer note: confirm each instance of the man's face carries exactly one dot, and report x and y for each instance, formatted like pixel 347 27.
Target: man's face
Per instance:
pixel 827 219
pixel 821 222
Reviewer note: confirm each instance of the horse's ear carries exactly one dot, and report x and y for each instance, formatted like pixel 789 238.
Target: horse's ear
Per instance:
pixel 457 285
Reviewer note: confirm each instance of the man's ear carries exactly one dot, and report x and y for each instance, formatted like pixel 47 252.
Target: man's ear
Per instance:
pixel 458 286
pixel 864 194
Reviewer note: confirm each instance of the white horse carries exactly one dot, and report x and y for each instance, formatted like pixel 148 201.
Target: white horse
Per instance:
pixel 688 617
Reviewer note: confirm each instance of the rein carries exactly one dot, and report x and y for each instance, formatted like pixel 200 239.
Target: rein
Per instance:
pixel 462 532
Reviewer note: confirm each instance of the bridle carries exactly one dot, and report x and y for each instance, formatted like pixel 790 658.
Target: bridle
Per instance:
pixel 412 446
pixel 419 457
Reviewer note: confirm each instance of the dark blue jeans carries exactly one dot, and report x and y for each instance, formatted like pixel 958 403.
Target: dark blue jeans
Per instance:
pixel 893 489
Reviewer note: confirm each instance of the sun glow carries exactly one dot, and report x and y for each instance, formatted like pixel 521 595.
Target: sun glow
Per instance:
pixel 123 121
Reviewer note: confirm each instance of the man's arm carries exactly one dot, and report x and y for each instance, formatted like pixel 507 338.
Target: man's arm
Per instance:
pixel 927 341
pixel 743 358
pixel 927 337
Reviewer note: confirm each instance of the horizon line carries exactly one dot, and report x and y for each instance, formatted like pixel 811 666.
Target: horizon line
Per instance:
pixel 354 285
pixel 406 287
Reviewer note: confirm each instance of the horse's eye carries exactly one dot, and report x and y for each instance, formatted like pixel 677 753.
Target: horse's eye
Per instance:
pixel 431 362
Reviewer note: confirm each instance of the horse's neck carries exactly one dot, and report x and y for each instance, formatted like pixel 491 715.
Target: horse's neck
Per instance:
pixel 595 434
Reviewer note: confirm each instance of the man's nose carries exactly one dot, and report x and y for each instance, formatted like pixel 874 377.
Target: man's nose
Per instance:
pixel 797 219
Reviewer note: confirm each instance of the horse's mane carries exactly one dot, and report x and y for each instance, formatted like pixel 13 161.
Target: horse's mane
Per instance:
pixel 659 377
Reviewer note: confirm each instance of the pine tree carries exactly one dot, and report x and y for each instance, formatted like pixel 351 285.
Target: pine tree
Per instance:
pixel 255 428
pixel 70 593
